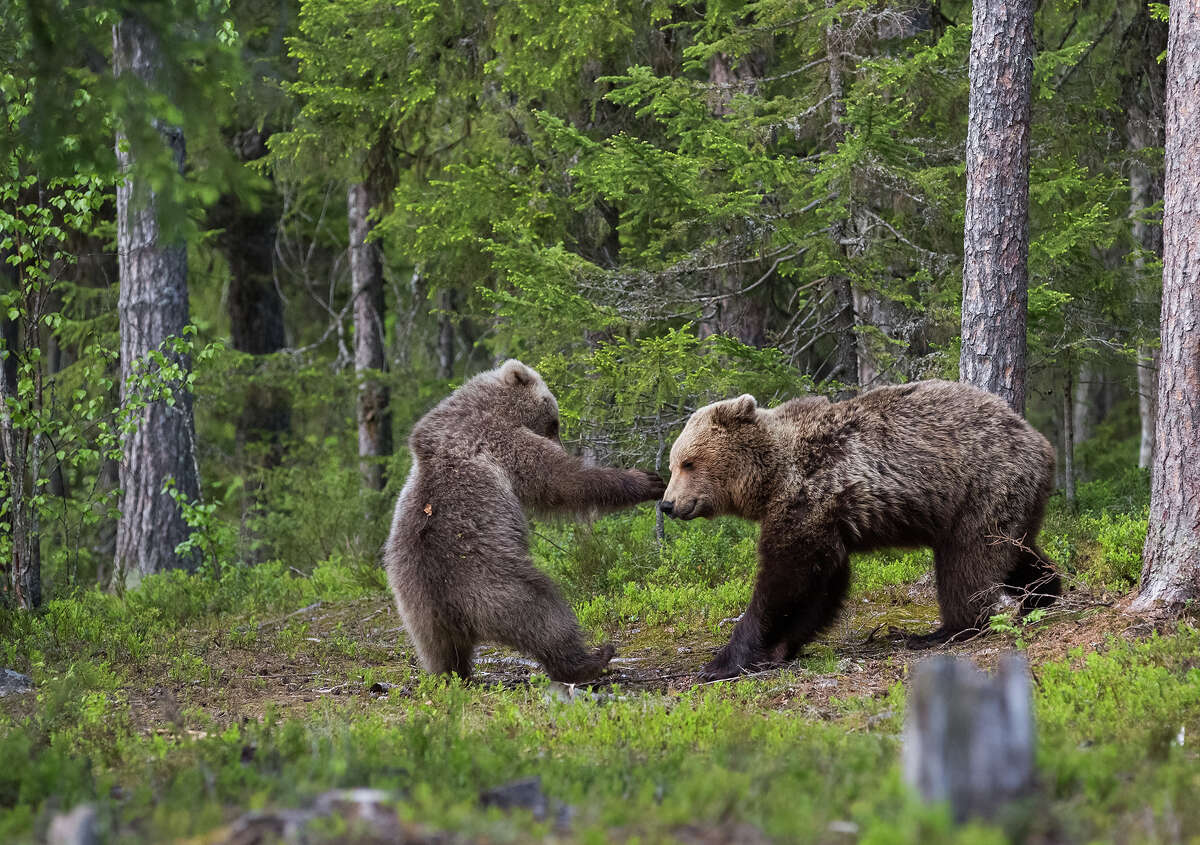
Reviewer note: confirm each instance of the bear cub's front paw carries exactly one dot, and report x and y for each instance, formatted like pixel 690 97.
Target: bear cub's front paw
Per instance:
pixel 648 486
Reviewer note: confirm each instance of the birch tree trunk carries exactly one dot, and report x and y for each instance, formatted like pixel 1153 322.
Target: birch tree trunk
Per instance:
pixel 153 306
pixel 20 462
pixel 1171 559
pixel 996 234
pixel 366 274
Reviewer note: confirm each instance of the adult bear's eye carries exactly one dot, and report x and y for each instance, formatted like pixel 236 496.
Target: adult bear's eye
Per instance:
pixel 688 465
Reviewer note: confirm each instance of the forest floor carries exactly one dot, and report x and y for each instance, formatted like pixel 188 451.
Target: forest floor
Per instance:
pixel 176 716
pixel 357 651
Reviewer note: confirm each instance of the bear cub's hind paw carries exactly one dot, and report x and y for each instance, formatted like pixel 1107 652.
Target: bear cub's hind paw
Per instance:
pixel 587 669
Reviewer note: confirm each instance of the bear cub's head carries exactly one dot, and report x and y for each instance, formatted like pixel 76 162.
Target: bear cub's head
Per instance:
pixel 523 399
pixel 718 462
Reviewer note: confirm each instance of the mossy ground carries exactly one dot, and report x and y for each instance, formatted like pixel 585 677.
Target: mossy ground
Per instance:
pixel 179 707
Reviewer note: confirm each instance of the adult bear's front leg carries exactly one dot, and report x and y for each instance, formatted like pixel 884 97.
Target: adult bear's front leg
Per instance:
pixel 802 580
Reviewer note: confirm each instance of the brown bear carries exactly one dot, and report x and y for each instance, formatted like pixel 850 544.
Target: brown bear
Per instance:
pixel 932 463
pixel 458 556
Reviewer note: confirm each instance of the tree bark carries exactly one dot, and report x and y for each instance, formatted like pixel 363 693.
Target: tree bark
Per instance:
pixel 845 366
pixel 1171 559
pixel 366 273
pixel 1147 381
pixel 153 306
pixel 996 234
pixel 254 306
pixel 969 737
pixel 1147 239
pixel 1069 438
pixel 20 455
pixel 447 301
pixel 1087 411
pixel 742 316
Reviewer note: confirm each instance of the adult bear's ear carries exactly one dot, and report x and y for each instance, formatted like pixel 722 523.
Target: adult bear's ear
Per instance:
pixel 741 410
pixel 515 374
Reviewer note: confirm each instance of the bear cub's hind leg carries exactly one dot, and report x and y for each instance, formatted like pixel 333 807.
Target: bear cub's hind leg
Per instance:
pixel 537 620
pixel 442 652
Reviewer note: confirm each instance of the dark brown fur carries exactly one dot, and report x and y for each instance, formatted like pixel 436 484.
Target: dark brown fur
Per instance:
pixel 932 463
pixel 458 555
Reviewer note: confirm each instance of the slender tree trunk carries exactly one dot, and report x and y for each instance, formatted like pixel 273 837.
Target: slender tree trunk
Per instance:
pixel 20 455
pixel 254 305
pixel 256 327
pixel 366 273
pixel 743 316
pixel 1147 239
pixel 1171 560
pixel 446 305
pixel 1069 438
pixel 1147 381
pixel 1086 412
pixel 153 306
pixel 996 234
pixel 845 366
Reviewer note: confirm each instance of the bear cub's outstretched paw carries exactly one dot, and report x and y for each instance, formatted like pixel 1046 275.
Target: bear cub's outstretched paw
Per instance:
pixel 646 486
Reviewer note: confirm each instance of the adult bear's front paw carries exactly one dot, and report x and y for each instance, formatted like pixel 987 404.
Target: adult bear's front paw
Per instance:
pixel 727 664
pixel 717 670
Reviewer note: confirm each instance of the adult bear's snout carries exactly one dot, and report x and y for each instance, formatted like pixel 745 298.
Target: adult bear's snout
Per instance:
pixel 667 507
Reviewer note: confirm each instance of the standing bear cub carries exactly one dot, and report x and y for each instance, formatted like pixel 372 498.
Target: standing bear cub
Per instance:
pixel 458 557
pixel 933 463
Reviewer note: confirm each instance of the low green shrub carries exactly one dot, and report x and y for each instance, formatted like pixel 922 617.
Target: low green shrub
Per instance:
pixel 1116 560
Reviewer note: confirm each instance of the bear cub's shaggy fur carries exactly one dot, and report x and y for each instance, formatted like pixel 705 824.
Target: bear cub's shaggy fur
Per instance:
pixel 458 557
pixel 932 463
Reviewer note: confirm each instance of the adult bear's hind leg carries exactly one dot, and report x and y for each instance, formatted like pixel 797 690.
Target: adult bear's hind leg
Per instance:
pixel 968 578
pixel 1033 580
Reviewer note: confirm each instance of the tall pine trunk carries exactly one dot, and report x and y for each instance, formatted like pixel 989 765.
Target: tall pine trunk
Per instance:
pixel 1171 559
pixel 152 307
pixel 366 273
pixel 996 234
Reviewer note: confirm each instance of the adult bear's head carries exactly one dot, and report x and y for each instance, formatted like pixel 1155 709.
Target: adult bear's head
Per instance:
pixel 720 462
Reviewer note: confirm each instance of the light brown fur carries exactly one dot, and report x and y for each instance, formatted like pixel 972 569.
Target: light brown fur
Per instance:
pixel 932 463
pixel 458 555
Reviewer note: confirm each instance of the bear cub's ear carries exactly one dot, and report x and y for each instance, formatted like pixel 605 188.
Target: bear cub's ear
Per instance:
pixel 741 410
pixel 515 374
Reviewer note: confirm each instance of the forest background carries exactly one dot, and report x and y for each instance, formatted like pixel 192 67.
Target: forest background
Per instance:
pixel 359 204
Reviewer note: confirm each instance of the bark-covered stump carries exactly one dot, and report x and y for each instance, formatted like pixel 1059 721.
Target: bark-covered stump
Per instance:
pixel 968 735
